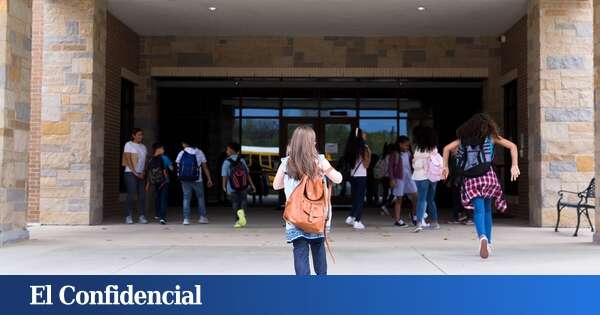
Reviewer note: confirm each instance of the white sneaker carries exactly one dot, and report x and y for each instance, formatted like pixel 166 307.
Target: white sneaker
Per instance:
pixel 186 221
pixel 350 220
pixel 484 247
pixel 142 220
pixel 203 220
pixel 418 229
pixel 128 220
pixel 425 224
pixel 433 226
pixel 358 225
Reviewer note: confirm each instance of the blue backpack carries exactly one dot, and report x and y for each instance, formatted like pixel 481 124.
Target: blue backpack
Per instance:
pixel 188 168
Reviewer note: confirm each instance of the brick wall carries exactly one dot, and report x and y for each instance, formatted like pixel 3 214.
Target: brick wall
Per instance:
pixel 514 56
pixel 122 52
pixel 33 178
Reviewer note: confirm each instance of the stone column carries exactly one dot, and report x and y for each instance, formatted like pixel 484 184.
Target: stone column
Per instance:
pixel 15 73
pixel 561 104
pixel 72 120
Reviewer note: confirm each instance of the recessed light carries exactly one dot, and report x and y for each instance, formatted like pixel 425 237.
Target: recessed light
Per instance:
pixel 212 8
pixel 421 8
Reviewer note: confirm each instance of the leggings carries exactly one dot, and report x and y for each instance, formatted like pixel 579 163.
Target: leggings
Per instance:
pixel 482 217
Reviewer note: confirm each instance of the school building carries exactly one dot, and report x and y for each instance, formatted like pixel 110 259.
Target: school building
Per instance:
pixel 77 75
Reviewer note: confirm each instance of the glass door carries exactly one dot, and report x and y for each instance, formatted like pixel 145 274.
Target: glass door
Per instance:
pixel 335 134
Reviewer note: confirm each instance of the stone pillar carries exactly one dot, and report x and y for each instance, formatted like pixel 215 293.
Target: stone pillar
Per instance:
pixel 72 120
pixel 15 73
pixel 561 104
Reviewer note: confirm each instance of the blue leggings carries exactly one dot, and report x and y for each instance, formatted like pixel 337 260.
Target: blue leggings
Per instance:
pixel 482 217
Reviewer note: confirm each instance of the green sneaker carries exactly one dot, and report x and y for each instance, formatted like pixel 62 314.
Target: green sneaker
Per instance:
pixel 241 217
pixel 237 225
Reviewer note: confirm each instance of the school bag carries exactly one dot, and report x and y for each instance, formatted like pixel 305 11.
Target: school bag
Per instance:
pixel 435 167
pixel 306 208
pixel 188 168
pixel 238 175
pixel 472 160
pixel 381 169
pixel 156 171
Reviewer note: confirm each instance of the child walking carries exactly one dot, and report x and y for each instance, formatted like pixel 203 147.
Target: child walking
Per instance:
pixel 400 174
pixel 425 153
pixel 236 182
pixel 158 179
pixel 475 144
pixel 303 159
pixel 358 158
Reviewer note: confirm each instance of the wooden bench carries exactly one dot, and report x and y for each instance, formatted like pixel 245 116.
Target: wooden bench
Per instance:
pixel 581 206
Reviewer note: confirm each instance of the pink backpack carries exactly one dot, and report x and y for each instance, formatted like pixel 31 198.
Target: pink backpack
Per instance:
pixel 435 167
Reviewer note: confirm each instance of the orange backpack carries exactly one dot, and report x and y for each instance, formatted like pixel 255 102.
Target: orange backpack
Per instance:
pixel 307 206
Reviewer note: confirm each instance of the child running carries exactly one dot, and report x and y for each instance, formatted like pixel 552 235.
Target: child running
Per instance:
pixel 400 174
pixel 476 140
pixel 303 159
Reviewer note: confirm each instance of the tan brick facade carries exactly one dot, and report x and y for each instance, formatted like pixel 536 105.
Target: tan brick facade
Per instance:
pixel 122 52
pixel 561 112
pixel 15 74
pixel 33 178
pixel 597 110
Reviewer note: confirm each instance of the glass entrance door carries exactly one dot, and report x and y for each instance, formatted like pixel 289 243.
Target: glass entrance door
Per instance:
pixel 332 134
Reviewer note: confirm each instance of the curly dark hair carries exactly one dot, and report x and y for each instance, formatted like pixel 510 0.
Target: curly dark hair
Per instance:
pixel 478 127
pixel 424 138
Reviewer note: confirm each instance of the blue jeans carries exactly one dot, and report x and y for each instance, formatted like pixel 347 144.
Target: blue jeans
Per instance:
pixel 426 190
pixel 161 200
pixel 198 189
pixel 482 217
pixel 135 189
pixel 359 188
pixel 301 249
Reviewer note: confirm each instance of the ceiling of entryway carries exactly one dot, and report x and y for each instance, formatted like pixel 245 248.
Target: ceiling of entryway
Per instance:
pixel 319 17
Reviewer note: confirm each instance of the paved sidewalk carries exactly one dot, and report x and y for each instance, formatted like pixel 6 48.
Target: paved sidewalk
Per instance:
pixel 260 249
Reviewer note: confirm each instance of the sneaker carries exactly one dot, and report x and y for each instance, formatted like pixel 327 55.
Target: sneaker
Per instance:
pixel 435 226
pixel 425 224
pixel 156 217
pixel 203 220
pixel 241 217
pixel 454 222
pixel 186 221
pixel 385 210
pixel 484 247
pixel 128 220
pixel 358 225
pixel 237 225
pixel 418 229
pixel 400 223
pixel 142 220
pixel 489 249
pixel 350 220
pixel 413 220
pixel 163 221
pixel 468 222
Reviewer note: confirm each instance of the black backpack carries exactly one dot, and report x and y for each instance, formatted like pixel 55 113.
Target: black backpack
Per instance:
pixel 156 171
pixel 472 160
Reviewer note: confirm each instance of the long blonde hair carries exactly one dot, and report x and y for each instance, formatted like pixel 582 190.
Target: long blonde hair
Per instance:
pixel 302 153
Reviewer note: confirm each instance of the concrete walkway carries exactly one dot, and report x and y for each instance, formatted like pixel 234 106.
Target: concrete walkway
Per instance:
pixel 260 249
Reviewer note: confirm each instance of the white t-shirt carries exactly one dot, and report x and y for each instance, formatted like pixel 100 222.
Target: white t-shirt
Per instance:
pixel 200 158
pixel 359 169
pixel 138 152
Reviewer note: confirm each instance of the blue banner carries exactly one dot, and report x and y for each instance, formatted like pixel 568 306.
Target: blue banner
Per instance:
pixel 299 295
